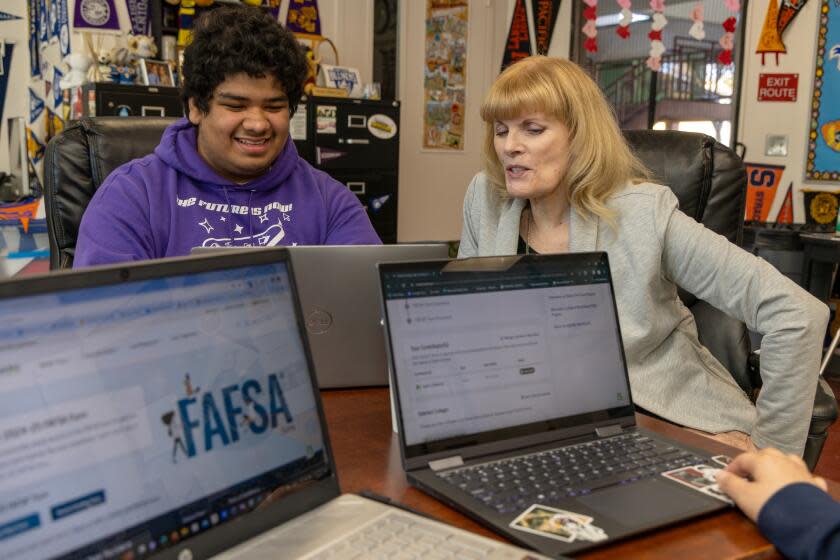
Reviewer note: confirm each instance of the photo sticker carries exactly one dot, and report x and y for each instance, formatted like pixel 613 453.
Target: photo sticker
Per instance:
pixel 558 524
pixel 700 478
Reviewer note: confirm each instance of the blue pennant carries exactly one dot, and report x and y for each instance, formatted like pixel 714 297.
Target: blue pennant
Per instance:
pixel 36 106
pixel 4 16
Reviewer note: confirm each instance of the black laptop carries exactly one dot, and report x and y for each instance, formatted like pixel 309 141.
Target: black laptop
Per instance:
pixel 169 410
pixel 514 404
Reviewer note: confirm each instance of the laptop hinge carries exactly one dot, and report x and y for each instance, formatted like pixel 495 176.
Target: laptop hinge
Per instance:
pixel 446 463
pixel 607 431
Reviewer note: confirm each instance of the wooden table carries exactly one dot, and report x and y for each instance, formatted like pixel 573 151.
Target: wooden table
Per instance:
pixel 367 455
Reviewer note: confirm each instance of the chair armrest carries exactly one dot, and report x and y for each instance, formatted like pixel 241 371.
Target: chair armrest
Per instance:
pixel 825 409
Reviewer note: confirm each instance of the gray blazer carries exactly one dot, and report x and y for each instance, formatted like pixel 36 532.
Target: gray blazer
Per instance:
pixel 653 249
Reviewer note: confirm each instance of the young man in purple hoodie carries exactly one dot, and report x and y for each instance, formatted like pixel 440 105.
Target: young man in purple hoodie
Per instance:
pixel 228 174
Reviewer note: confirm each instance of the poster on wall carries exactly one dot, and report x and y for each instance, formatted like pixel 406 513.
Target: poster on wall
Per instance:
pixel 823 163
pixel 445 74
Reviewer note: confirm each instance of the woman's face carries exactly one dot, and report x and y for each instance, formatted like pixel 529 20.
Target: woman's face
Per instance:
pixel 534 152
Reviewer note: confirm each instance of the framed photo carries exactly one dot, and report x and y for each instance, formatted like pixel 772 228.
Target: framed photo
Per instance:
pixel 156 73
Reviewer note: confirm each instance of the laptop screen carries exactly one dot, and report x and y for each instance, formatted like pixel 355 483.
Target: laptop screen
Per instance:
pixel 494 348
pixel 137 415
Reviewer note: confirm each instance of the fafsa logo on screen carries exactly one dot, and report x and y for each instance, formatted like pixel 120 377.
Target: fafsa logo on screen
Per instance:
pixel 205 420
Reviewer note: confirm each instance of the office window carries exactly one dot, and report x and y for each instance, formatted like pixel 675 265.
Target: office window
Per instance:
pixel 692 90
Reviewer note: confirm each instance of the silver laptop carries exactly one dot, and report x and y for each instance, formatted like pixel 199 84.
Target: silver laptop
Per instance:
pixel 339 295
pixel 514 403
pixel 168 410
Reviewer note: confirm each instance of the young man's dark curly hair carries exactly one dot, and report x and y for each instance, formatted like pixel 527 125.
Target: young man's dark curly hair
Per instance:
pixel 236 39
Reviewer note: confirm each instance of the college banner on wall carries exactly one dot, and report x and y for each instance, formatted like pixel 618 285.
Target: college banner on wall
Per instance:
pixel 785 215
pixel 63 26
pixel 303 18
pixel 6 67
pixel 96 15
pixel 43 22
pixel 34 51
pixel 823 163
pixel 138 15
pixel 445 74
pixel 762 183
pixel 545 16
pixel 36 106
pixel 518 44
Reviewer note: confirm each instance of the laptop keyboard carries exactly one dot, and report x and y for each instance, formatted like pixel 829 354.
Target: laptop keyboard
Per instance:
pixel 511 485
pixel 398 536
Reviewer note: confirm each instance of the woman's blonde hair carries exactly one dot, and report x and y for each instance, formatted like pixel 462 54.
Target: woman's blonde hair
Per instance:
pixel 599 159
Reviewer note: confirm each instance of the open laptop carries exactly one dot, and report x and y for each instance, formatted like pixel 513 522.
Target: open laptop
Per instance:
pixel 168 410
pixel 514 404
pixel 338 288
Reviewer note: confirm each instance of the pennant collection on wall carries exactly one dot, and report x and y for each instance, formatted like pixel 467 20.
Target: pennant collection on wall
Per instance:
pixel 519 44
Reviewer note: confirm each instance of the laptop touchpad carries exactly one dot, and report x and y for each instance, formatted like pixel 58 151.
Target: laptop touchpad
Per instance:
pixel 650 501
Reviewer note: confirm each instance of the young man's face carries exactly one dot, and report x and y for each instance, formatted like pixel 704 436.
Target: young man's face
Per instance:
pixel 245 128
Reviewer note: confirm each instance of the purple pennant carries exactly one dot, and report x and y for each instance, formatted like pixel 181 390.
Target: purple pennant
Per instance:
pixel 95 15
pixel 138 13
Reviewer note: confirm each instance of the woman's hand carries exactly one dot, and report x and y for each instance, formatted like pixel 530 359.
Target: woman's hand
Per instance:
pixel 752 478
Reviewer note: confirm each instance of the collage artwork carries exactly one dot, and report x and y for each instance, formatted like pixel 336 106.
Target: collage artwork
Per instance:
pixel 445 74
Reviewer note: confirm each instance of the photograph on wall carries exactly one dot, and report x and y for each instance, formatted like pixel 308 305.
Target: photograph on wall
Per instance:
pixel 445 74
pixel 823 163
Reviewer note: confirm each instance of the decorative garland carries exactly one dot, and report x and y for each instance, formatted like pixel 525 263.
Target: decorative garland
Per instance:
pixel 727 40
pixel 697 31
pixel 623 29
pixel 658 23
pixel 589 29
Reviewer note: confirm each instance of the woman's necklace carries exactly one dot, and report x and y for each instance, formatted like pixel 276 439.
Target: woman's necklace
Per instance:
pixel 528 229
pixel 528 232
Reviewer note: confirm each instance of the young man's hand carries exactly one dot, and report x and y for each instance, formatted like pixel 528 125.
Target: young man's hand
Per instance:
pixel 752 478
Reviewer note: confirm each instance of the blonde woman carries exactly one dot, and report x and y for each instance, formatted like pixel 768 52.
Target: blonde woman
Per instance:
pixel 559 177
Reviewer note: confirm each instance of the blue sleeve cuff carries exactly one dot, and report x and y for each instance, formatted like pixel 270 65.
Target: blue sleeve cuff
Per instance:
pixel 802 521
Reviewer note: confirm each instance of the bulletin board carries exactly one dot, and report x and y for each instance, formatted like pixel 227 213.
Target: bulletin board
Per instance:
pixel 445 74
pixel 823 163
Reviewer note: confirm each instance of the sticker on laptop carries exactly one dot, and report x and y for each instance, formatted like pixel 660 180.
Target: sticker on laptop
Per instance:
pixel 558 524
pixel 700 478
pixel 722 460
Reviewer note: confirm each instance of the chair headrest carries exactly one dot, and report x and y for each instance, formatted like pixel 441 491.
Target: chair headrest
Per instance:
pixel 77 162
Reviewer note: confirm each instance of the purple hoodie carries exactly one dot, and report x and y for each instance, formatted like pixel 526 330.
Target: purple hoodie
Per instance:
pixel 170 201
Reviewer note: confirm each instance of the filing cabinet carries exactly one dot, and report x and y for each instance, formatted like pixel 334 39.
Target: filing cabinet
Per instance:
pixel 356 141
pixel 101 99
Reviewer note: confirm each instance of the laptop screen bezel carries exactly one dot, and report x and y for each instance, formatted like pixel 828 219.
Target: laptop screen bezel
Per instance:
pixel 241 528
pixel 505 439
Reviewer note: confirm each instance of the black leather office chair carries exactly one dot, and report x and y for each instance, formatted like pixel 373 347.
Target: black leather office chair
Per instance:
pixel 710 182
pixel 77 162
